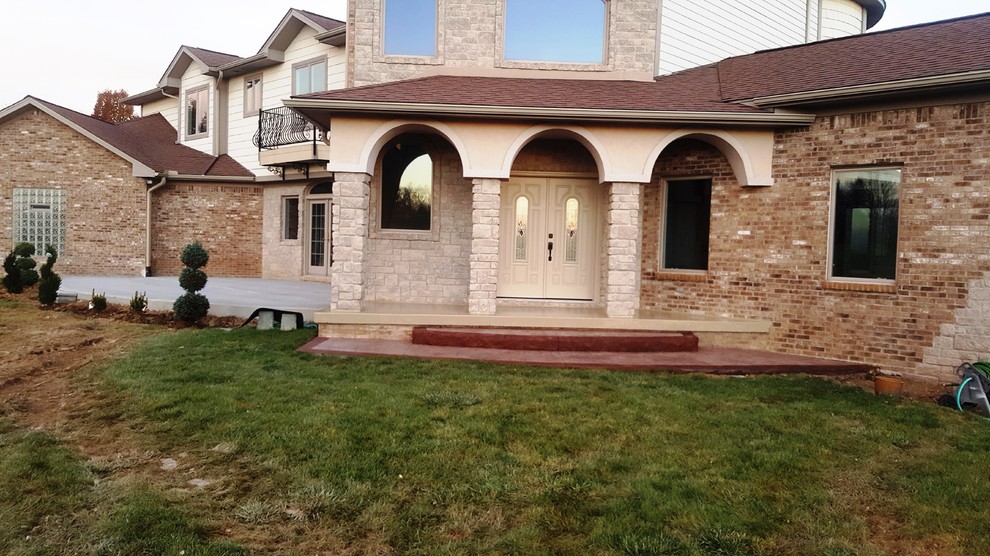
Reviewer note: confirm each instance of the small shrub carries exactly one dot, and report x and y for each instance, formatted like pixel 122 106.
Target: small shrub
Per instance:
pixel 194 256
pixel 98 301
pixel 50 281
pixel 191 307
pixel 139 303
pixel 12 277
pixel 192 279
pixel 25 265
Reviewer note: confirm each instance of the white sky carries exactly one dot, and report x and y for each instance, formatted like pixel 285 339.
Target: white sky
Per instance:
pixel 66 51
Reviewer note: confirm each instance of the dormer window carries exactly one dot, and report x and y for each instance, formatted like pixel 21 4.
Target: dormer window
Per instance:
pixel 197 113
pixel 410 28
pixel 553 31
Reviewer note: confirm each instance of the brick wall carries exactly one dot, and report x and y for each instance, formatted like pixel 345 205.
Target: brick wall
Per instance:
pixel 105 205
pixel 769 246
pixel 225 219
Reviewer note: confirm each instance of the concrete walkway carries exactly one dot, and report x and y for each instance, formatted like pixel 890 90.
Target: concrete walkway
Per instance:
pixel 237 297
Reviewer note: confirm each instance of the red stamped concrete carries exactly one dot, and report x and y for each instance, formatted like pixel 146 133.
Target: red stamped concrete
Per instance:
pixel 554 339
pixel 727 361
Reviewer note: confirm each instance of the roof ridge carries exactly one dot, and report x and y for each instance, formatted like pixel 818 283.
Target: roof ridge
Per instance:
pixel 307 12
pixel 211 51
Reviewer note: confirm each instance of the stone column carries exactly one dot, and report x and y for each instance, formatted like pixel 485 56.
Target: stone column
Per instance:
pixel 484 246
pixel 624 235
pixel 350 241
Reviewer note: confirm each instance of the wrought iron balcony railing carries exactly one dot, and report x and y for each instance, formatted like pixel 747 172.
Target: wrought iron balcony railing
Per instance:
pixel 281 126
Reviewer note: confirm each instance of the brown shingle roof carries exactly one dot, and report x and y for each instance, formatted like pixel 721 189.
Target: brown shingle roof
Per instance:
pixel 212 58
pixel 328 23
pixel 942 48
pixel 152 141
pixel 695 91
pixel 934 49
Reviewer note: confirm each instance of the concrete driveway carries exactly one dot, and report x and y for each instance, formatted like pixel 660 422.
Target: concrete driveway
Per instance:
pixel 237 297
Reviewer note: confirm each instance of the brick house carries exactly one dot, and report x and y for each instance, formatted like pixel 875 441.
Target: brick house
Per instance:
pixel 826 199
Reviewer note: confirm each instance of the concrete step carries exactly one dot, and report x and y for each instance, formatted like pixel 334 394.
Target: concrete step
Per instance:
pixel 529 339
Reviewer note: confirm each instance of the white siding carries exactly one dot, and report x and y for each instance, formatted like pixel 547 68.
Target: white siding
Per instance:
pixel 813 33
pixel 276 85
pixel 167 107
pixel 841 18
pixel 194 79
pixel 695 33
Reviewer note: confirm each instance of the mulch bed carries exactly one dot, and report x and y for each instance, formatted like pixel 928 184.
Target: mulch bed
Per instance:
pixel 123 313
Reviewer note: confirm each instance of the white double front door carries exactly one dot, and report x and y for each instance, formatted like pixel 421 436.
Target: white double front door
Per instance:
pixel 548 245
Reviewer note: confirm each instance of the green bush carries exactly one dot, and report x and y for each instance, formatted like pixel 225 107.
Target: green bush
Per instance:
pixel 192 279
pixel 139 303
pixel 50 281
pixel 194 256
pixel 98 301
pixel 12 277
pixel 24 251
pixel 191 307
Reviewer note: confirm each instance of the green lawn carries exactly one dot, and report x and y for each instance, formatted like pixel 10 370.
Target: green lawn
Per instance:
pixel 372 455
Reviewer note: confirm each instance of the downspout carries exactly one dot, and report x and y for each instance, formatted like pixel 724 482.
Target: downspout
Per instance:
pixel 147 228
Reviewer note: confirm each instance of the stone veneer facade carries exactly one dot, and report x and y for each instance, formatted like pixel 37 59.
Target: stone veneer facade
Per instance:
pixel 769 246
pixel 470 36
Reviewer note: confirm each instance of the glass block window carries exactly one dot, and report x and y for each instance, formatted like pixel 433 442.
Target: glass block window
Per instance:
pixel 39 218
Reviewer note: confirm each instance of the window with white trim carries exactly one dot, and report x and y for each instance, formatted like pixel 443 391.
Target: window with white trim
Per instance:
pixel 309 76
pixel 197 113
pixel 252 96
pixel 865 208
pixel 39 218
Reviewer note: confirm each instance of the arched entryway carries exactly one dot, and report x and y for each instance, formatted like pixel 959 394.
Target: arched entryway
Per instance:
pixel 549 244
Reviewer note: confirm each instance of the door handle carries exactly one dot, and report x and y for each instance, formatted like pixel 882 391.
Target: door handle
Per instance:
pixel 550 249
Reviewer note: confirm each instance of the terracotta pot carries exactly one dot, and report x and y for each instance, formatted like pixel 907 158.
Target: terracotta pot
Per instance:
pixel 888 385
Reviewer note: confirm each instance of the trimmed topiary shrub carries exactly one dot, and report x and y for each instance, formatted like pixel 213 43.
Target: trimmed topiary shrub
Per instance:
pixel 194 256
pixel 24 252
pixel 192 306
pixel 192 279
pixel 12 277
pixel 50 281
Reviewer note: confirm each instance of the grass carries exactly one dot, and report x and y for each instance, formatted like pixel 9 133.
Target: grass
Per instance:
pixel 417 457
pixel 50 502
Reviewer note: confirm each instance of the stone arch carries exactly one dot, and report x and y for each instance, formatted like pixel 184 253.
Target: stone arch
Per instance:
pixel 730 146
pixel 587 139
pixel 390 130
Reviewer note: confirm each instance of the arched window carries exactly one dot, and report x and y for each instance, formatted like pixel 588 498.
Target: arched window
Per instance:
pixel 407 188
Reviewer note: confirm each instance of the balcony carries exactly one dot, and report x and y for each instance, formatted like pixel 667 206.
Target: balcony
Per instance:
pixel 287 140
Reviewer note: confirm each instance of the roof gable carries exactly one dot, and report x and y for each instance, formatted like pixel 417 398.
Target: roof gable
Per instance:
pixel 148 143
pixel 293 22
pixel 208 61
